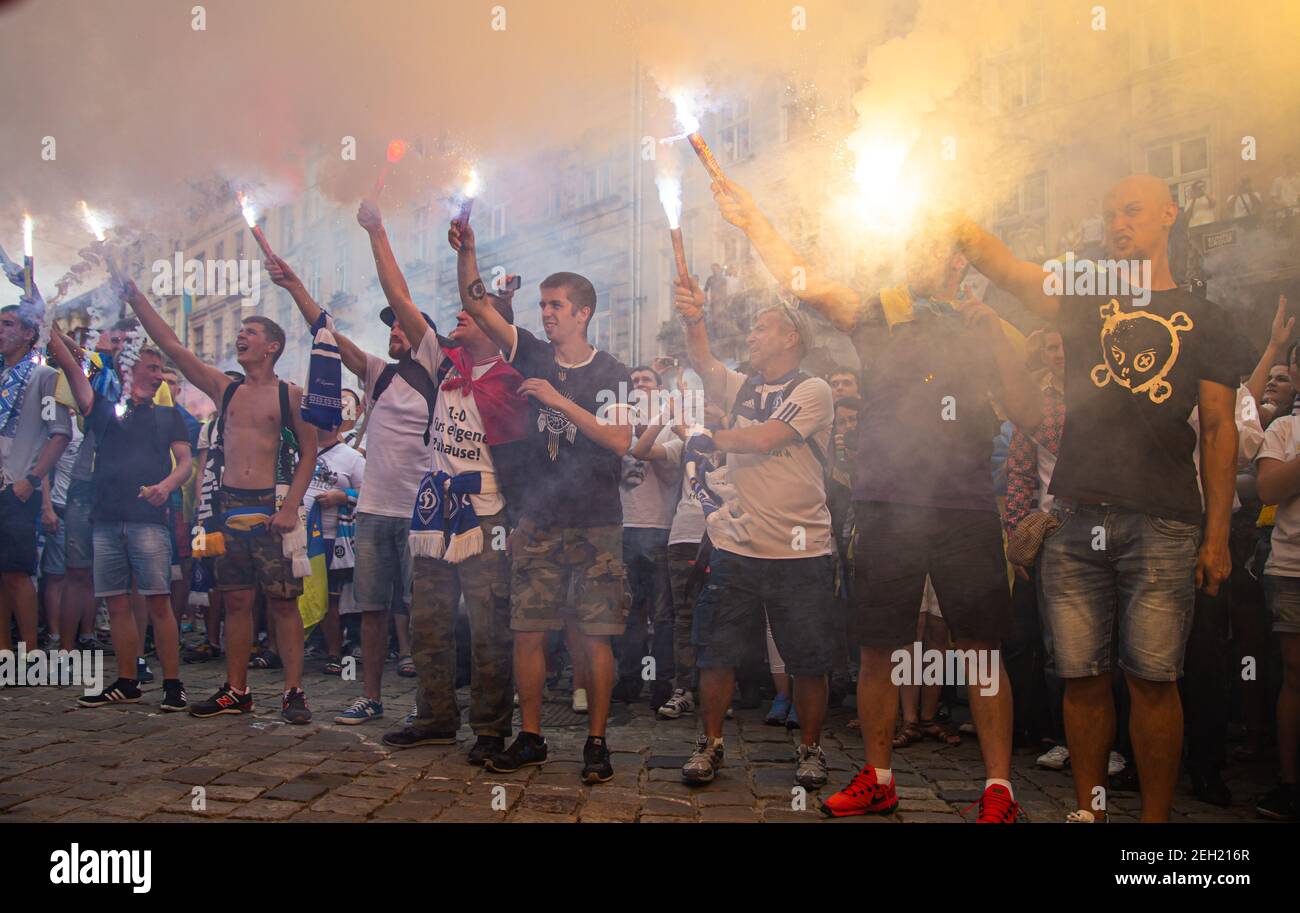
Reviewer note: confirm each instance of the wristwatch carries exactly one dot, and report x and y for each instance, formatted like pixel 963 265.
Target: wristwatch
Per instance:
pixel 33 480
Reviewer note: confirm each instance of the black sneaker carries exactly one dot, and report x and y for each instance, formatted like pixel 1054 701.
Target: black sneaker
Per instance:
pixel 527 748
pixel 294 707
pixel 1279 804
pixel 627 690
pixel 484 747
pixel 410 736
pixel 122 691
pixel 224 701
pixel 595 761
pixel 143 672
pixel 174 697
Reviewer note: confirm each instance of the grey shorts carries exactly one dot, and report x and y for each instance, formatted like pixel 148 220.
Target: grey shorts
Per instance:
pixel 1283 597
pixel 54 558
pixel 382 576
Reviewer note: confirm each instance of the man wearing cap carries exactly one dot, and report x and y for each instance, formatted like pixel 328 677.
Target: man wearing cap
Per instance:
pixel 399 393
pixel 772 542
pixel 459 522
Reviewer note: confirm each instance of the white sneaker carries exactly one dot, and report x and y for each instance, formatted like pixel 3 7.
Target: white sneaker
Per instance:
pixel 1055 758
pixel 1116 764
pixel 579 700
pixel 681 702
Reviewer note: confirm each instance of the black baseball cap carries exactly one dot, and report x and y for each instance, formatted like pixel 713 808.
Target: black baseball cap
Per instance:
pixel 389 318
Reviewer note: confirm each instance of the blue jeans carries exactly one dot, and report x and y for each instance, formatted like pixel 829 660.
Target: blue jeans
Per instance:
pixel 1106 567
pixel 645 555
pixel 126 553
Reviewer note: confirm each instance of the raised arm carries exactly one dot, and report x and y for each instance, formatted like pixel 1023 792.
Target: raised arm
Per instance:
pixel 281 274
pixel 473 293
pixel 837 303
pixel 689 302
pixel 1009 273
pixel 1274 354
pixel 71 369
pixel 391 279
pixel 205 377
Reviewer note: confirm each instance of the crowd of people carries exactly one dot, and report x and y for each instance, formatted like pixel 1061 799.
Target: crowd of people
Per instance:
pixel 1098 514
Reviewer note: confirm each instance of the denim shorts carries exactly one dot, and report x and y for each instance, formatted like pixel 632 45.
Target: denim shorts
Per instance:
pixel 79 535
pixel 54 558
pixel 382 574
pixel 132 552
pixel 1107 568
pixel 796 594
pixel 1283 597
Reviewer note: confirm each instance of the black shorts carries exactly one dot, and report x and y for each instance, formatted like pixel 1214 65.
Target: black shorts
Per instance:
pixel 18 521
pixel 961 551
pixel 794 594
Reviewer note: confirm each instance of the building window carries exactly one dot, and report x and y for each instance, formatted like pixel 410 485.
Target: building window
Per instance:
pixel 1170 30
pixel 340 265
pixel 313 276
pixel 733 132
pixel 1022 217
pixel 497 223
pixel 423 246
pixel 286 227
pixel 1181 163
pixel 198 342
pixel 798 112
pixel 221 250
pixel 1014 80
pixel 598 331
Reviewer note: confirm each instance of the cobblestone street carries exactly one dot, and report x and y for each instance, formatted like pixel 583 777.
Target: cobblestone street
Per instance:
pixel 132 763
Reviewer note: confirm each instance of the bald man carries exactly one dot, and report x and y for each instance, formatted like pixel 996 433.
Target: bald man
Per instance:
pixel 1135 539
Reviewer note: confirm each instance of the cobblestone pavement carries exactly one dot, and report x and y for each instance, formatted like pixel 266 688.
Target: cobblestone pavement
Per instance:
pixel 133 763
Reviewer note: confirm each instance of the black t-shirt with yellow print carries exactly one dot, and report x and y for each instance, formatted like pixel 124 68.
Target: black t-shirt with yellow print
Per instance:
pixel 1131 380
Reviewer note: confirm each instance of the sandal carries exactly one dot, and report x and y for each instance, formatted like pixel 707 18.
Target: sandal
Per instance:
pixel 933 729
pixel 909 734
pixel 202 653
pixel 334 665
pixel 406 667
pixel 266 660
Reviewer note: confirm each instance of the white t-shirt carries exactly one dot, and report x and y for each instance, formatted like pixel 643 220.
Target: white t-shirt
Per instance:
pixel 458 438
pixel 339 466
pixel 396 453
pixel 63 468
pixel 688 522
pixel 784 491
pixel 648 489
pixel 1280 442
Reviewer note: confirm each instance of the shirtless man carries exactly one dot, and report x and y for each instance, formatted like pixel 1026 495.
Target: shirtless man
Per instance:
pixel 253 557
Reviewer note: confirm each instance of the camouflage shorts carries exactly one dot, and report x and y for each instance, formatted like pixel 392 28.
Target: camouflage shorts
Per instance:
pixel 257 560
pixel 560 572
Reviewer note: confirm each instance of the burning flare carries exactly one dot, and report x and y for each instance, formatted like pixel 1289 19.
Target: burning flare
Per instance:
pixel 250 214
pixel 94 221
pixel 28 226
pixel 396 149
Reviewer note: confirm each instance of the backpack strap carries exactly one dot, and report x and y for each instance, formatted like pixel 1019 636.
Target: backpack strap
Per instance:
pixel 418 379
pixel 750 389
pixel 226 397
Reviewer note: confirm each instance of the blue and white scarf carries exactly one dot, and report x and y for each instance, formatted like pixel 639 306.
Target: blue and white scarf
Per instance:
pixel 12 393
pixel 444 524
pixel 322 398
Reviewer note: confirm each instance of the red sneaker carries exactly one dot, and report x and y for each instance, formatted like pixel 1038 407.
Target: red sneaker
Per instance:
pixel 863 796
pixel 997 806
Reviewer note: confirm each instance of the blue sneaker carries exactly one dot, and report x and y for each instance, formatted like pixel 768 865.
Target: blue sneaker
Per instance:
pixel 792 721
pixel 780 710
pixel 362 710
